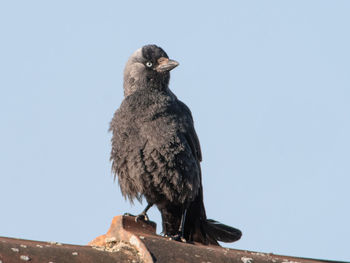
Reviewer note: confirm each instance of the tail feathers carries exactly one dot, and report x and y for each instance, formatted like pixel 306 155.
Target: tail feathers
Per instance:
pixel 220 232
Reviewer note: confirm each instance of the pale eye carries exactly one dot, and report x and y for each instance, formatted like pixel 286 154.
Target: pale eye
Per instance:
pixel 149 64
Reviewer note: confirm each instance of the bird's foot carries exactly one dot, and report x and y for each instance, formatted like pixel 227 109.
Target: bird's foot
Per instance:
pixel 176 237
pixel 142 217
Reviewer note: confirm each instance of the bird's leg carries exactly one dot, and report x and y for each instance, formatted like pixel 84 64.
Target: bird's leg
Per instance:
pixel 182 226
pixel 180 236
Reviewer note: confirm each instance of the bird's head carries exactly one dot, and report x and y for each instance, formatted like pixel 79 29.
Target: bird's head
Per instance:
pixel 147 67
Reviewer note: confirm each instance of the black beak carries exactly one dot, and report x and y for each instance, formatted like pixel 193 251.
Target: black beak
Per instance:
pixel 166 64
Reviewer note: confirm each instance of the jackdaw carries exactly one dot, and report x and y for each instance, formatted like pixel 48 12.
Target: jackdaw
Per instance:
pixel 156 152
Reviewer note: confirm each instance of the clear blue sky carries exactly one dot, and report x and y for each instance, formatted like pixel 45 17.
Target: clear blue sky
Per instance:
pixel 268 85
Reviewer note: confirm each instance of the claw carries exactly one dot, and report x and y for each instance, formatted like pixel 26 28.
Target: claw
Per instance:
pixel 128 214
pixel 177 237
pixel 143 217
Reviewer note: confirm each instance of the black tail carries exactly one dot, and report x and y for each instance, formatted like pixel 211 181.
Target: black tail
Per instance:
pixel 220 232
pixel 206 231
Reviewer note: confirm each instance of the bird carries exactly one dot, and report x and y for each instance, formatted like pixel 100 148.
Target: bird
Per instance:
pixel 156 152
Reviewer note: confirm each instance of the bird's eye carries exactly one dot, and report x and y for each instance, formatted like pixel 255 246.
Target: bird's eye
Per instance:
pixel 149 64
